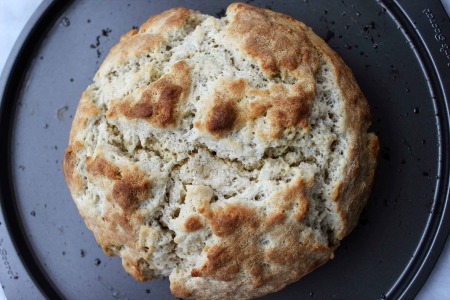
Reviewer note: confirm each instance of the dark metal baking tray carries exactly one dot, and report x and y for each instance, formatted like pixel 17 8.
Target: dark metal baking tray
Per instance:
pixel 399 56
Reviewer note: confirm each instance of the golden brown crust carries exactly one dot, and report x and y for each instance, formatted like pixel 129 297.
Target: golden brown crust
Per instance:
pixel 283 107
pixel 149 38
pixel 72 177
pixel 129 34
pixel 221 118
pixel 352 193
pixel 168 20
pixel 100 166
pixel 288 54
pixel 85 111
pixel 293 198
pixel 131 45
pixel 224 112
pixel 277 41
pixel 131 189
pixel 127 187
pixel 158 103
pixel 192 223
pixel 179 290
pixel 252 247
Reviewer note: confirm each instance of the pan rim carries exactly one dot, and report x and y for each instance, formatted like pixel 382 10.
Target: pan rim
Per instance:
pixel 437 229
pixel 427 251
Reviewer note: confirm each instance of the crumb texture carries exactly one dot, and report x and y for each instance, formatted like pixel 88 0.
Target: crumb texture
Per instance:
pixel 231 154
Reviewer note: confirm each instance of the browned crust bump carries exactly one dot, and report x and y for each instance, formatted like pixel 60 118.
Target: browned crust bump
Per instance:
pixel 131 188
pixel 71 176
pixel 337 191
pixel 192 223
pixel 225 221
pixel 158 103
pixel 165 105
pixel 100 166
pixel 221 118
pixel 224 111
pixel 128 194
pixel 129 34
pixel 166 21
pixel 179 290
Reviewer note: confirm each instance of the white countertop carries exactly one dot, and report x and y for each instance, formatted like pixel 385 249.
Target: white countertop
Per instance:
pixel 13 17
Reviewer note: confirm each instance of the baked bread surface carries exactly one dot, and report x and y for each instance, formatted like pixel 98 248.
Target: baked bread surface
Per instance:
pixel 231 154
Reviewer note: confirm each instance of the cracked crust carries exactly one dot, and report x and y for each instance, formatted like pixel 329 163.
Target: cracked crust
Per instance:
pixel 231 155
pixel 158 103
pixel 259 33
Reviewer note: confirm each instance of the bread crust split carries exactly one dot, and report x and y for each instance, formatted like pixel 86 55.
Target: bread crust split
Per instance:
pixel 231 154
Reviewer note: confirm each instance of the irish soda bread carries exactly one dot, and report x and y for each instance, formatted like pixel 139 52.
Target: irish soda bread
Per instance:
pixel 231 154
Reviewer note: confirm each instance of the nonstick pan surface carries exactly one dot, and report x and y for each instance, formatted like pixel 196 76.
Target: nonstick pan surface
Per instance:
pixel 399 53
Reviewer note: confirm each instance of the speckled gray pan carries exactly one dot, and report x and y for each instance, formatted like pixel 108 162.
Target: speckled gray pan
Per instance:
pixel 399 53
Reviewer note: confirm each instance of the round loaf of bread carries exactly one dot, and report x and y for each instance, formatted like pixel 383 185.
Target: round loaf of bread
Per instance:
pixel 231 154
